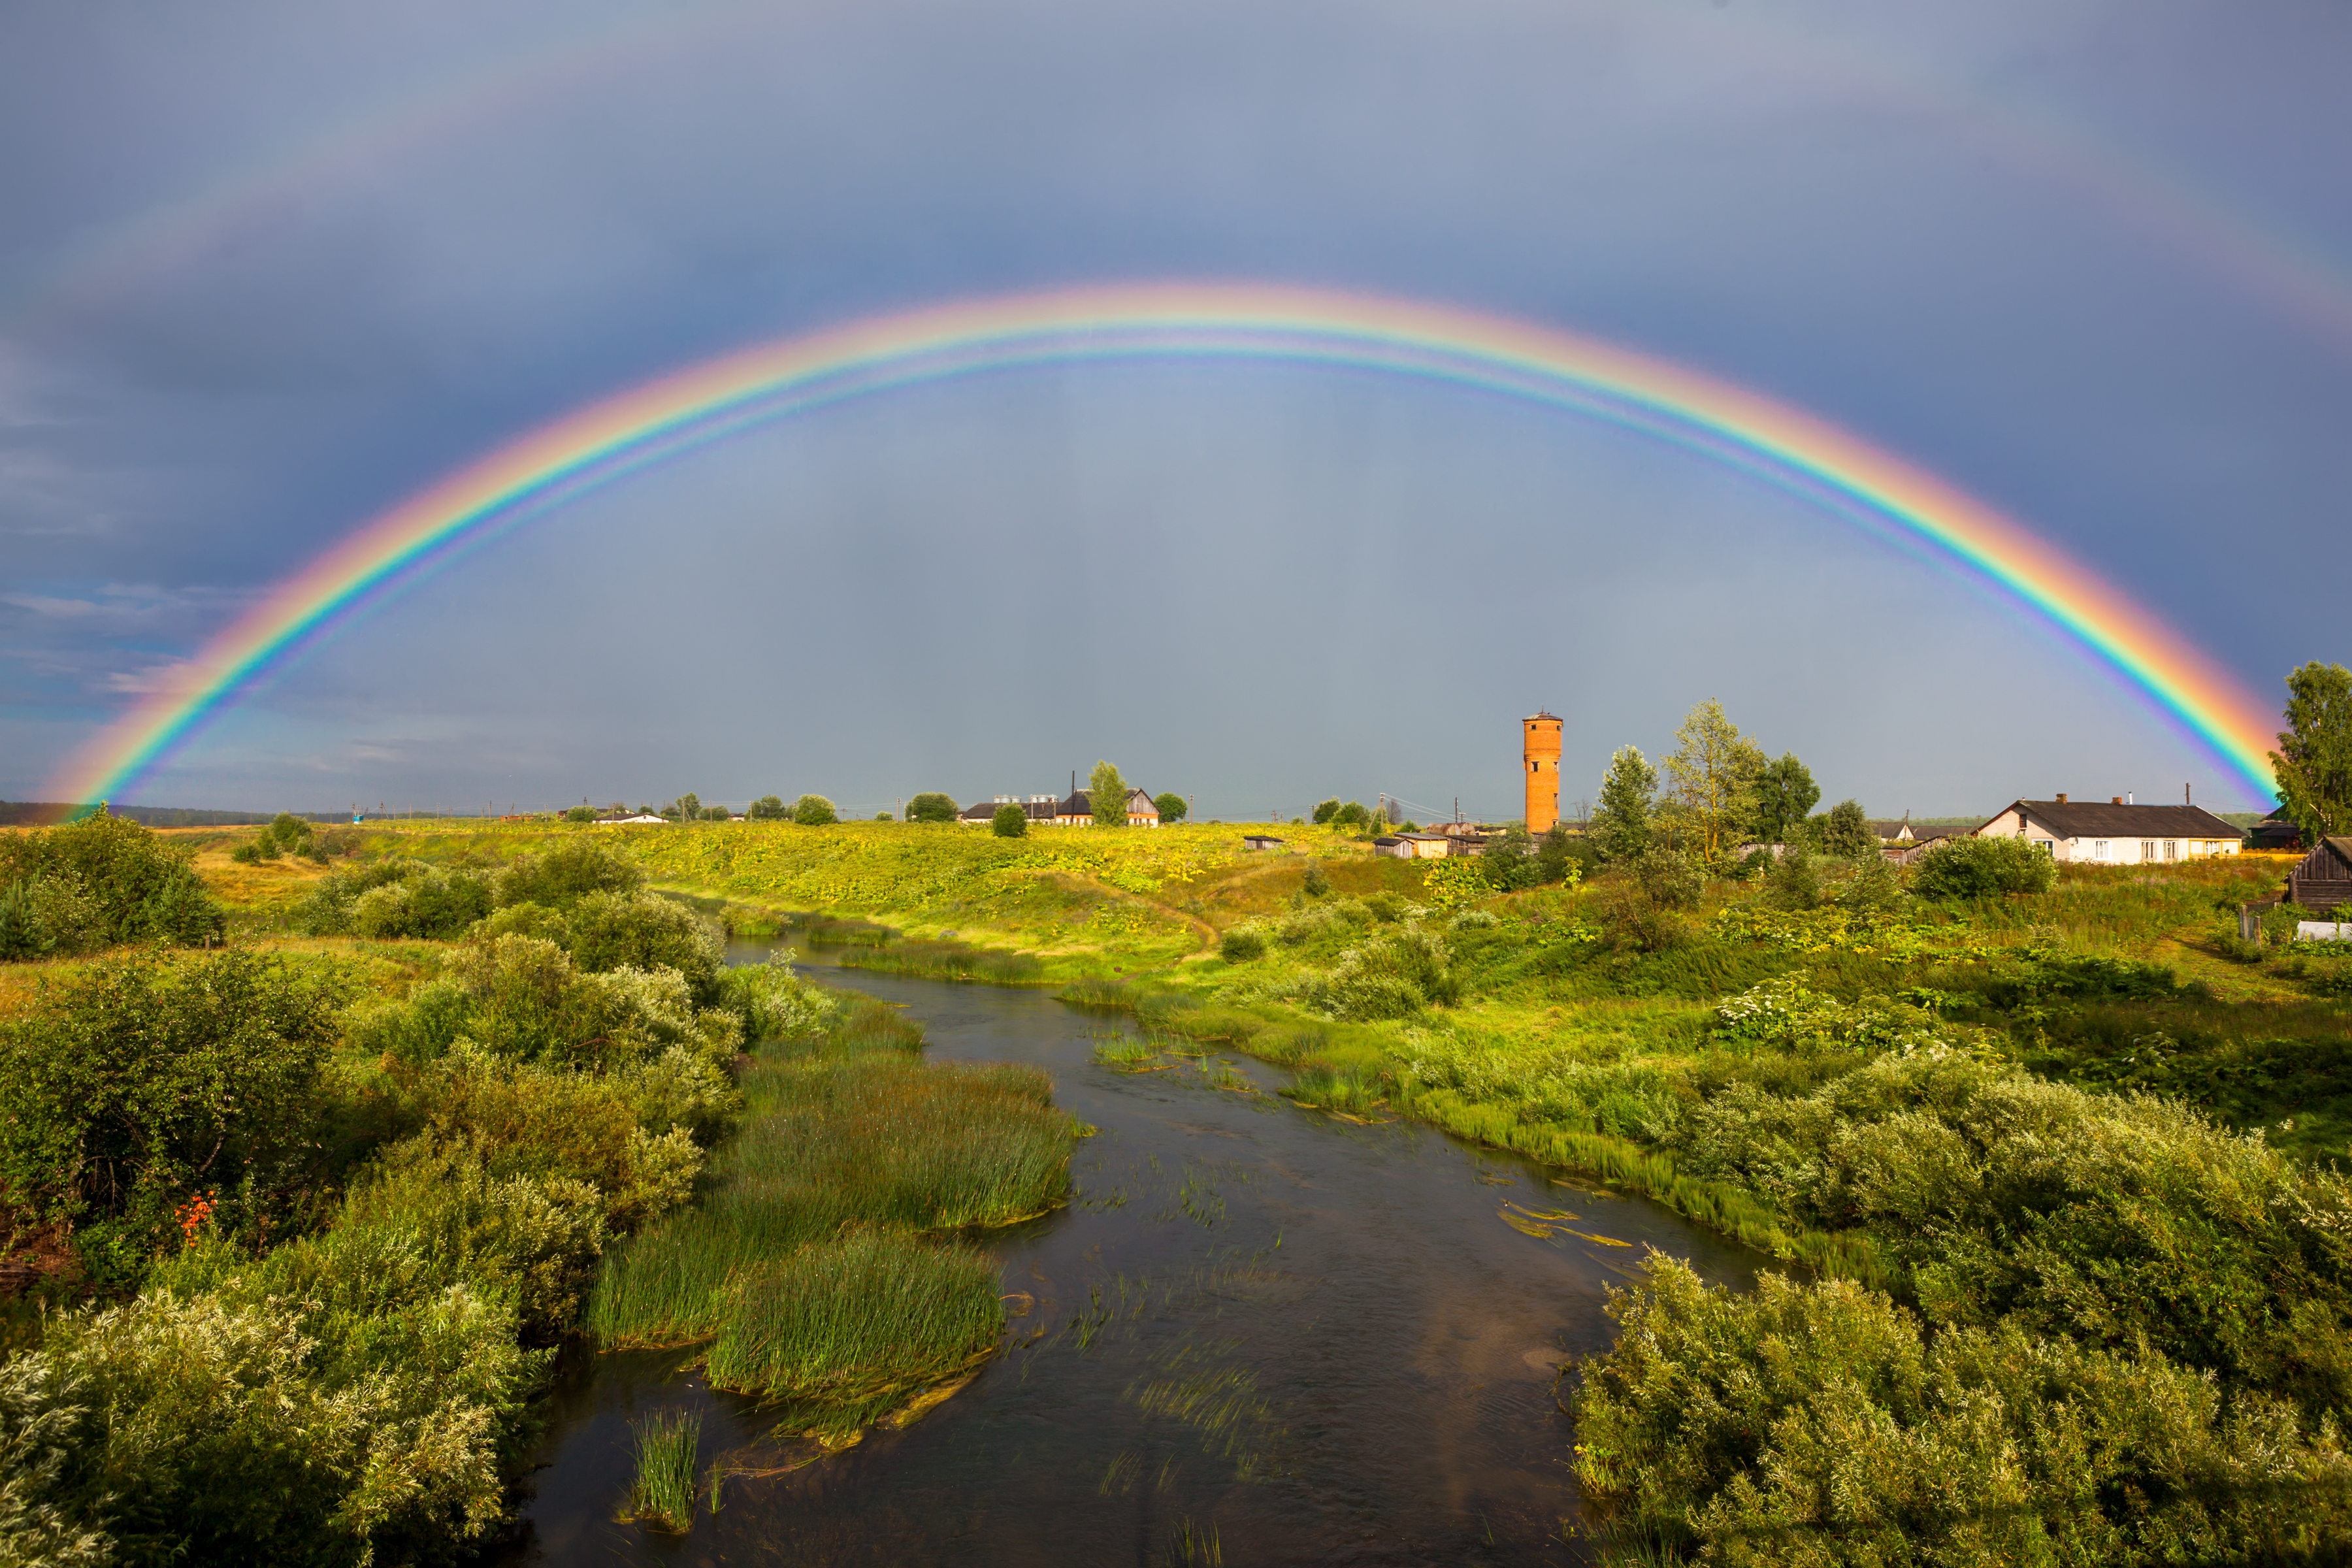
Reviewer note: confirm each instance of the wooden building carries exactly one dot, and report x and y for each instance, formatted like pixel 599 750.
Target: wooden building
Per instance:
pixel 2323 878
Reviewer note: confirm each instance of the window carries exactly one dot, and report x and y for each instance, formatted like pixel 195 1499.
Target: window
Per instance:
pixel 2099 850
pixel 2172 849
pixel 2044 846
pixel 2148 849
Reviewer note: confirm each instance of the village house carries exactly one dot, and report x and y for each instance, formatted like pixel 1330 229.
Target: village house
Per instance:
pixel 1077 811
pixel 2276 831
pixel 1260 841
pixel 1035 807
pixel 2115 833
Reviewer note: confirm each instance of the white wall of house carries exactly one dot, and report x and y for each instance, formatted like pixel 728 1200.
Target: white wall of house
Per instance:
pixel 2012 823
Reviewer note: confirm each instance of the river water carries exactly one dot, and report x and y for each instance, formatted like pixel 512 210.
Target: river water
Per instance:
pixel 1257 1334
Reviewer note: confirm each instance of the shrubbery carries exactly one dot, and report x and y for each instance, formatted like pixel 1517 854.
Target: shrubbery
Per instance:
pixel 135 1087
pixel 96 883
pixel 1975 867
pixel 395 898
pixel 1822 1424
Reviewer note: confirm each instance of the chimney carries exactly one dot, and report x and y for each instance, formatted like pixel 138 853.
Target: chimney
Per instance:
pixel 2184 796
pixel 2062 797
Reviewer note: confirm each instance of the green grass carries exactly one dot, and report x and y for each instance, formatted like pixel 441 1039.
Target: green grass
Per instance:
pixel 950 961
pixel 663 1492
pixel 814 1268
pixel 845 1330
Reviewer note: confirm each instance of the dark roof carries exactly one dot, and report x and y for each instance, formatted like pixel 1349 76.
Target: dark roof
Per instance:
pixel 2086 819
pixel 2336 844
pixel 1076 804
pixel 984 811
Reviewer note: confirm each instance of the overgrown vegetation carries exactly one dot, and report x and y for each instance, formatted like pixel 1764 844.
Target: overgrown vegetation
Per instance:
pixel 99 882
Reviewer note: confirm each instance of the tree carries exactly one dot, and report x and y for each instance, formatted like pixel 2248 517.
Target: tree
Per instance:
pixel 688 807
pixel 1847 832
pixel 930 807
pixel 881 816
pixel 1352 814
pixel 1785 795
pixel 1171 806
pixel 1712 775
pixel 769 808
pixel 1010 822
pixel 1560 854
pixel 717 814
pixel 1107 796
pixel 2314 760
pixel 1511 860
pixel 1621 822
pixel 813 811
pixel 1327 811
pixel 581 813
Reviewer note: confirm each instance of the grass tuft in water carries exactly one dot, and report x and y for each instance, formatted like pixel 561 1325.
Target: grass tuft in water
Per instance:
pixel 1192 1545
pixel 1124 1053
pixel 663 1495
pixel 951 961
pixel 1348 1089
pixel 843 1331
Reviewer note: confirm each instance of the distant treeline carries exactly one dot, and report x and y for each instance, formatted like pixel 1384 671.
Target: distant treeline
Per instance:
pixel 45 812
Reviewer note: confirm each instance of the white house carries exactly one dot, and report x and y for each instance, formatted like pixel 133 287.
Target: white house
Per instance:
pixel 2113 834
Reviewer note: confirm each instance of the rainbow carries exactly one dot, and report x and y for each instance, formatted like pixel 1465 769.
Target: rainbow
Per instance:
pixel 708 402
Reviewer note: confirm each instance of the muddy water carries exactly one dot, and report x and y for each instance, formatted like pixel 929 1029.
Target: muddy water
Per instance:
pixel 1258 1334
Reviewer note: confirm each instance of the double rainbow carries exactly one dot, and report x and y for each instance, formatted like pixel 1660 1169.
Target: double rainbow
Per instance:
pixel 721 397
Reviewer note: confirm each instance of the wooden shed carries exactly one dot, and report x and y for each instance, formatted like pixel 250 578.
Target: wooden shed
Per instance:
pixel 2323 878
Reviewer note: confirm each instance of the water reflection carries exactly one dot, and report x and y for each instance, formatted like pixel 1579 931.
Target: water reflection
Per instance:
pixel 1258 1335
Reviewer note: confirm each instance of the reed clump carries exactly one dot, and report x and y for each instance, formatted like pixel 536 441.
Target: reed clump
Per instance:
pixel 950 961
pixel 814 1266
pixel 846 1330
pixel 663 1492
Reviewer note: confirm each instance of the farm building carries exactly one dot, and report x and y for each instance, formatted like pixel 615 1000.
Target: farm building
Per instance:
pixel 2323 878
pixel 1260 841
pixel 1414 845
pixel 1078 810
pixel 2276 831
pixel 1036 807
pixel 2113 833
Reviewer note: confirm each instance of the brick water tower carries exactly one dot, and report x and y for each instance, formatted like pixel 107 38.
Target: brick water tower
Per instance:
pixel 1541 753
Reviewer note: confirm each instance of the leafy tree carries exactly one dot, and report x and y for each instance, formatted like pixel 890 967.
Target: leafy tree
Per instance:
pixel 1107 796
pixel 105 880
pixel 717 814
pixel 1010 822
pixel 1847 832
pixel 814 811
pixel 688 807
pixel 1785 795
pixel 1974 867
pixel 581 813
pixel 1621 822
pixel 1712 777
pixel 1509 861
pixel 2314 760
pixel 1560 855
pixel 1791 882
pixel 930 807
pixel 1171 806
pixel 769 808
pixel 1327 811
pixel 881 816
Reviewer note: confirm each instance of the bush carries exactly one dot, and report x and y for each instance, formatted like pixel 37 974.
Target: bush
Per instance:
pixel 1821 1425
pixel 133 1086
pixel 581 813
pixel 814 811
pixel 1509 862
pixel 97 883
pixel 1325 812
pixel 1172 807
pixel 645 931
pixel 1791 882
pixel 233 1433
pixel 429 904
pixel 773 1003
pixel 325 909
pixel 561 875
pixel 1316 881
pixel 767 808
pixel 1009 822
pixel 1975 867
pixel 930 807
pixel 1845 831
pixel 1240 944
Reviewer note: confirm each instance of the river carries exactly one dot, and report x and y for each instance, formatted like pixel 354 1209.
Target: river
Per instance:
pixel 1257 1334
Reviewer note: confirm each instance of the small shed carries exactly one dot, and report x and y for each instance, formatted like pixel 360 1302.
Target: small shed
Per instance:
pixel 2323 878
pixel 2276 831
pixel 1260 841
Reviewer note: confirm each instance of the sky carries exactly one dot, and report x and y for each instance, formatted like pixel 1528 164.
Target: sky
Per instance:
pixel 268 268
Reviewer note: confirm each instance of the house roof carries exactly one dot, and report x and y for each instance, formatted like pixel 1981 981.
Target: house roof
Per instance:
pixel 1139 804
pixel 1075 805
pixel 2102 819
pixel 2336 844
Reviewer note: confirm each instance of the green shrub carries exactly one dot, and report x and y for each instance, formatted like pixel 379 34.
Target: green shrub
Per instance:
pixel 1009 822
pixel 1316 881
pixel 325 909
pixel 97 883
pixel 645 931
pixel 1975 867
pixel 1241 944
pixel 773 1003
pixel 51 1483
pixel 432 905
pixel 814 811
pixel 1821 1425
pixel 132 1086
pixel 767 808
pixel 561 875
pixel 232 1433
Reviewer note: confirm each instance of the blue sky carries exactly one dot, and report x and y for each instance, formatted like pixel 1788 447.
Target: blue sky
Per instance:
pixel 266 269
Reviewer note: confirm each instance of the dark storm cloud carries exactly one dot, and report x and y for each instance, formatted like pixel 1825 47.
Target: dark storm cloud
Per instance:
pixel 441 227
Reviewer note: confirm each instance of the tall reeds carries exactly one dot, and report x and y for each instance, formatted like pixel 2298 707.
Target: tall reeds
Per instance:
pixel 812 1265
pixel 663 1493
pixel 951 961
